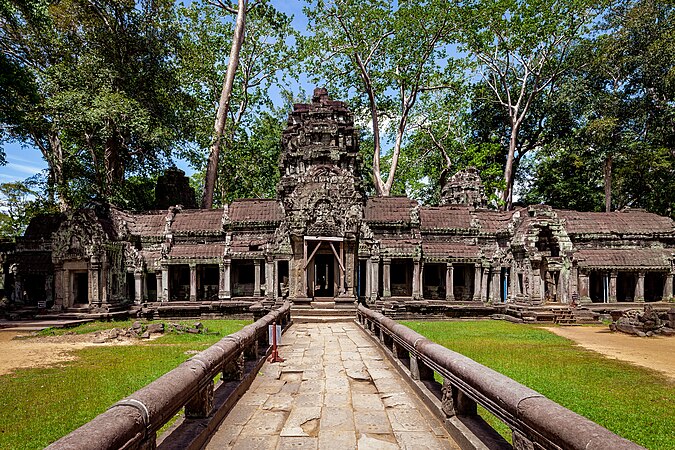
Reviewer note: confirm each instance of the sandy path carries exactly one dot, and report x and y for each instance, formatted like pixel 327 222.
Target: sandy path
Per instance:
pixel 40 351
pixel 657 352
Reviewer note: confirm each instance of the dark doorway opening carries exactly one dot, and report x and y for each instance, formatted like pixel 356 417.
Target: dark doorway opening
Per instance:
pixel 151 286
pixel 324 276
pixel 434 281
pixel 208 277
pixel 362 278
pixel 80 288
pixel 35 289
pixel 654 282
pixel 462 281
pixel 597 286
pixel 179 282
pixel 625 286
pixel 282 279
pixel 401 277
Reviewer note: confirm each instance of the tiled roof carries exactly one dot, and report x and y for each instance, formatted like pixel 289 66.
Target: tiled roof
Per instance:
pixel 449 249
pixel 147 224
pixel 197 251
pixel 198 220
pixel 389 209
pixel 493 221
pixel 399 246
pixel 625 257
pixel 445 217
pixel 150 257
pixel 243 242
pixel 256 210
pixel 43 226
pixel 618 222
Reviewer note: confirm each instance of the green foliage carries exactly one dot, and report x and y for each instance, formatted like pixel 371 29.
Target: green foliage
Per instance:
pixel 383 55
pixel 630 401
pixel 19 202
pixel 253 130
pixel 38 406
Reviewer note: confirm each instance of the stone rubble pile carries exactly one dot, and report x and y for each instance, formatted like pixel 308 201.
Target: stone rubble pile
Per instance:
pixel 644 323
pixel 140 330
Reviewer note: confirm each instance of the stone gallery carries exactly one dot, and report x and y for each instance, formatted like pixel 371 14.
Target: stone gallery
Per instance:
pixel 324 243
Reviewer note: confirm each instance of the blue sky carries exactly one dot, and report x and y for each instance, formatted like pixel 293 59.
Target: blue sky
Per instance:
pixel 26 161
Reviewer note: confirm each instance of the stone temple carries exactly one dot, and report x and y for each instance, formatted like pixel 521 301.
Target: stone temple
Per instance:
pixel 324 243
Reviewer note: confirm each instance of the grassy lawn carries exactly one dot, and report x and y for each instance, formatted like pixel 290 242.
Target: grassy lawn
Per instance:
pixel 633 402
pixel 37 406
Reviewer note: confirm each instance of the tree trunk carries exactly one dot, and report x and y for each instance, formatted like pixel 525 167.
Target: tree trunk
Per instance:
pixel 507 196
pixel 608 183
pixel 223 107
pixel 56 169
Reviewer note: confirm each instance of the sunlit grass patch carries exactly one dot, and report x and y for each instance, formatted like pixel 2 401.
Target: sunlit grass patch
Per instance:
pixel 37 406
pixel 634 402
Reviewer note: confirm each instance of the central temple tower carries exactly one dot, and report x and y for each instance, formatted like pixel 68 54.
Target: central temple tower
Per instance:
pixel 323 199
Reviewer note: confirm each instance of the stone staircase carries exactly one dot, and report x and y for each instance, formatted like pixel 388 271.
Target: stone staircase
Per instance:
pixel 323 311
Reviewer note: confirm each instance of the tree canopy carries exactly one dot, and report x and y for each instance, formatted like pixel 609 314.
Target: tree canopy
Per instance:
pixel 571 103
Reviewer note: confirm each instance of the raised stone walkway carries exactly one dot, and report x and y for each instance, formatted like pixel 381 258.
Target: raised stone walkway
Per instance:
pixel 336 390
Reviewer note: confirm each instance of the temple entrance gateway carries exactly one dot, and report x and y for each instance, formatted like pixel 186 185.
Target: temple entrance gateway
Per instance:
pixel 324 263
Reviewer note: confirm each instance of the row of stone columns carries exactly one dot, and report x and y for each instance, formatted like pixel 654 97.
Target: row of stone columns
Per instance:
pixel 611 294
pixel 224 282
pixel 483 277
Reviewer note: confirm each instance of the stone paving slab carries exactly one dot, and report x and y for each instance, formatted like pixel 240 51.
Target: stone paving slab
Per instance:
pixel 336 390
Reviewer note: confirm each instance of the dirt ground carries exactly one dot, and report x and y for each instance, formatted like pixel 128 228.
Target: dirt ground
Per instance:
pixel 41 351
pixel 656 352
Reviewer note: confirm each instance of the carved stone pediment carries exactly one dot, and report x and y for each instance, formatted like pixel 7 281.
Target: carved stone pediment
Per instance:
pixel 80 236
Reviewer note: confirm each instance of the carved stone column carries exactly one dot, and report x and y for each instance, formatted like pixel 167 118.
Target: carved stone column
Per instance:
pixel 193 282
pixel 368 279
pixel 374 280
pixel 416 279
pixel 612 286
pixel 160 288
pixel 165 283
pixel 584 287
pixel 484 285
pixel 224 290
pixel 94 285
pixel 449 282
pixel 640 287
pixel 477 272
pixel 494 285
pixel 138 287
pixel 386 277
pixel 270 277
pixel 668 287
pixel 256 280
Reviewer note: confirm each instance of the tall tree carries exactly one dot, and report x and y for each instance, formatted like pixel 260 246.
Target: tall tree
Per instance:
pixel 224 104
pixel 522 49
pixel 386 54
pixel 105 96
pixel 265 60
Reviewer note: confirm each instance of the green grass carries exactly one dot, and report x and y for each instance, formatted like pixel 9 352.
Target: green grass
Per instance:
pixel 37 406
pixel 633 402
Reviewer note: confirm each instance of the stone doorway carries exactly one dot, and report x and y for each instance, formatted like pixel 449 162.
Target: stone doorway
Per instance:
pixel 80 288
pixel 324 276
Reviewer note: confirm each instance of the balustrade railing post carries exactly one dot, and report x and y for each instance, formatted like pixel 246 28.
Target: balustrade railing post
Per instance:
pixel 201 405
pixel 234 370
pixel 419 370
pixel 454 402
pixel 521 442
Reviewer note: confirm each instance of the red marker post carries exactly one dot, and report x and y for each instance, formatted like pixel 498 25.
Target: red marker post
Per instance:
pixel 274 357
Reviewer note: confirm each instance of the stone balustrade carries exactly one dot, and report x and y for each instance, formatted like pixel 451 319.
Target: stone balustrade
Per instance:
pixel 133 422
pixel 535 421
